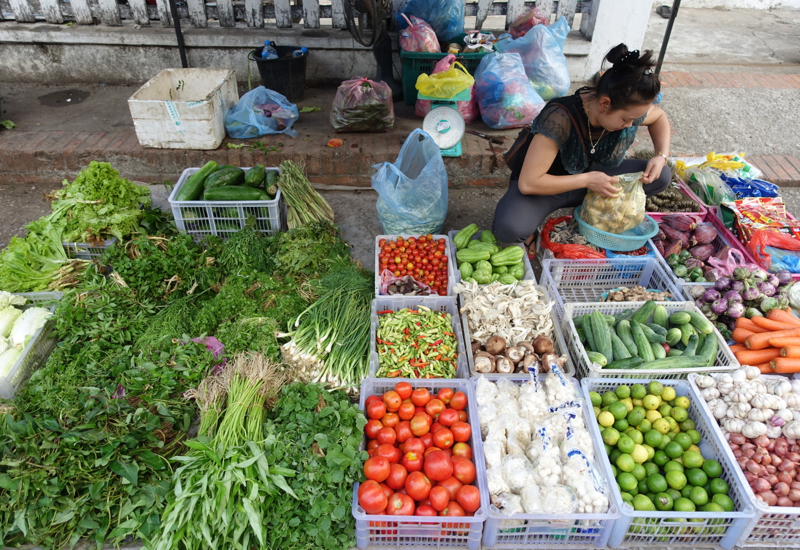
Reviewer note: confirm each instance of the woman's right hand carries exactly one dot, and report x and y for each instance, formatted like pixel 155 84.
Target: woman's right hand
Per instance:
pixel 602 184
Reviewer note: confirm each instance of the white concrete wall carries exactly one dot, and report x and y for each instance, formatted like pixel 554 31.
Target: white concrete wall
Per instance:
pixel 735 4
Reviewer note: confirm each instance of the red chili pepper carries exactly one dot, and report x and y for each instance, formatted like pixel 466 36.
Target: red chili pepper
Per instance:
pixel 406 330
pixel 385 311
pixel 394 374
pixel 448 334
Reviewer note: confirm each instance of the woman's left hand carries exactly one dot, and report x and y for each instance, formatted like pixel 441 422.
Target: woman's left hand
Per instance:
pixel 653 169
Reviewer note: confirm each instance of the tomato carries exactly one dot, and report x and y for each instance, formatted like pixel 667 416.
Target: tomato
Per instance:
pixel 462 416
pixel 372 498
pixel 392 400
pixel 386 436
pixel 436 426
pixel 463 470
pixel 444 395
pixel 427 439
pixel 448 451
pixel 406 411
pixel 390 420
pixel 420 426
pixel 419 410
pixel 442 438
pixel 376 410
pixel 426 502
pixel 447 418
pixel 412 462
pixel 418 486
pixel 403 431
pixel 453 509
pixel 438 466
pixel 400 505
pixel 440 498
pixel 429 450
pixel 420 397
pixel 452 485
pixel 458 401
pixel 414 445
pixel 371 398
pixel 404 390
pixel 469 498
pixel 461 432
pixel 372 444
pixel 392 453
pixel 388 491
pixel 377 468
pixel 372 428
pixel 425 510
pixel 463 450
pixel 397 477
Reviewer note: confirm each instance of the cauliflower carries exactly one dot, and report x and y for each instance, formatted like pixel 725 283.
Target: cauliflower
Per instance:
pixel 485 391
pixel 517 472
pixel 493 451
pixel 494 479
pixel 560 499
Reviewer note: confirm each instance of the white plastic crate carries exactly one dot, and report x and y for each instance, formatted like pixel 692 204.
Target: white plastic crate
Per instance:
pixel 416 532
pixel 635 529
pixel 451 266
pixel 570 531
pixel 86 251
pixel 725 358
pixel 442 304
pixel 583 281
pixel 772 526
pixel 184 108
pixel 529 275
pixel 38 348
pixel 223 218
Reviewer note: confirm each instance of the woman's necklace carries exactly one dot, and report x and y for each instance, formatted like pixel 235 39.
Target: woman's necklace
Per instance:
pixel 589 124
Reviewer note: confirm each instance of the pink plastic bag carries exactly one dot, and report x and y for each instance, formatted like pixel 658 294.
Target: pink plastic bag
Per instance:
pixel 526 22
pixel 387 278
pixel 419 36
pixel 724 266
pixel 468 109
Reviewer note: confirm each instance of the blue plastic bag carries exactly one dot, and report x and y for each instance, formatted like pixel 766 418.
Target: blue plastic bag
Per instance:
pixel 412 191
pixel 750 187
pixel 445 16
pixel 261 112
pixel 506 97
pixel 542 56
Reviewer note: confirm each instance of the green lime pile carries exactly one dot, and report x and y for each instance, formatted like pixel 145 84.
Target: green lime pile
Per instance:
pixel 652 445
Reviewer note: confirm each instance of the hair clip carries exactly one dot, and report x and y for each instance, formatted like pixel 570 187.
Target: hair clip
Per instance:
pixel 648 71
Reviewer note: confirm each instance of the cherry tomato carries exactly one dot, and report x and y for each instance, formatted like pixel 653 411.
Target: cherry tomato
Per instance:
pixel 447 418
pixel 440 498
pixel 397 477
pixel 377 468
pixel 376 410
pixel 412 462
pixel 403 431
pixel 463 450
pixel 452 485
pixel 469 498
pixel 414 445
pixel 461 432
pixel 420 426
pixel 406 411
pixel 442 438
pixel 427 439
pixel 444 395
pixel 372 498
pixel 400 505
pixel 403 389
pixel 392 453
pixel 425 510
pixel 392 400
pixel 387 436
pixel 418 486
pixel 372 428
pixel 458 401
pixel 438 466
pixel 463 470
pixel 420 397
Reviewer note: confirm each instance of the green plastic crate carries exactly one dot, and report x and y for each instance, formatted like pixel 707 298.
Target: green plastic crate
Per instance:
pixel 415 63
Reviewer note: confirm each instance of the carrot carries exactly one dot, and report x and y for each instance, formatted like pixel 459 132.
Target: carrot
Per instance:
pixel 785 365
pixel 791 351
pixel 783 317
pixel 739 347
pixel 753 357
pixel 769 324
pixel 784 342
pixel 745 323
pixel 761 341
pixel 740 335
pixel 765 368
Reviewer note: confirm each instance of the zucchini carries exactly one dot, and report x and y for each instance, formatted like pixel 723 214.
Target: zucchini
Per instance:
pixel 709 349
pixel 255 176
pixel 651 336
pixel 224 178
pixel 658 351
pixel 610 320
pixel 618 347
pixel 686 331
pixel 624 333
pixel 674 353
pixel 234 194
pixel 587 329
pixel 598 358
pixel 661 317
pixel 658 329
pixel 642 344
pixel 673 336
pixel 193 187
pixel 629 363
pixel 700 322
pixel 643 314
pixel 679 318
pixel 602 335
pixel 680 362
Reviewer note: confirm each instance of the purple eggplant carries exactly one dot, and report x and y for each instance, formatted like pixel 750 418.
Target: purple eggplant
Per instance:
pixel 740 274
pixel 766 288
pixel 773 280
pixel 784 277
pixel 736 310
pixel 729 322
pixel 732 296
pixel 699 303
pixel 738 286
pixel 711 295
pixel 719 307
pixel 759 274
pixel 750 292
pixel 696 292
pixel 723 283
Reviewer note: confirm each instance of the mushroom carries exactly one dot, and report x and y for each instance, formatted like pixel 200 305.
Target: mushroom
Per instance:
pixel 527 347
pixel 515 354
pixel 543 345
pixel 484 362
pixel 476 347
pixel 504 365
pixel 549 358
pixel 496 345
pixel 529 361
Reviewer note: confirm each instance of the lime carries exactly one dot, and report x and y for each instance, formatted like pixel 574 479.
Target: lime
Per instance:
pixel 614 470
pixel 668 394
pixel 628 403
pixel 650 402
pixel 696 477
pixel 674 494
pixel 673 465
pixel 636 435
pixel 663 502
pixel 607 447
pixel 652 415
pixel 683 505
pixel 687 425
pixel 655 388
pixel 621 425
pixel 635 490
pixel 651 452
pixel 627 497
pixel 683 440
pixel 673 426
pixel 676 480
pixel 625 444
pixel 610 436
pixel 618 409
pixel 643 487
pixel 679 414
pixel 683 401
pixel 644 426
pixel 637 402
pixel 606 419
pixel 653 438
pixel 664 409
pixel 692 459
pixel 694 435
pixel 626 463
pixel 673 449
pixel 596 399
pixel 623 391
pixel 718 486
pixel 657 483
pixel 643 504
pixel 725 501
pixel 687 490
pixel 638 391
pixel 713 507
pixel 713 469
pixel 651 468
pixel 699 496
pixel 627 482
pixel 615 455
pixel 640 454
pixel 639 473
pixel 596 411
pixel 635 417
pixel 660 458
pixel 609 397
pixel 661 426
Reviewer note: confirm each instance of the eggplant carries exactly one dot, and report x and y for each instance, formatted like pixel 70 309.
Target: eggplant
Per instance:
pixel 773 280
pixel 732 296
pixel 759 274
pixel 719 307
pixel 766 288
pixel 723 284
pixel 752 312
pixel 768 304
pixel 710 295
pixel 738 286
pixel 784 277
pixel 696 292
pixel 750 292
pixel 741 274
pixel 736 310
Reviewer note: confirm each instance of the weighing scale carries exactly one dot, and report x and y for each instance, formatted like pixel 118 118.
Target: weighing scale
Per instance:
pixel 444 123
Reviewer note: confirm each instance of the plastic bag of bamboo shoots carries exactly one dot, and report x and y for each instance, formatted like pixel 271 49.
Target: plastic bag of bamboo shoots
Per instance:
pixel 616 214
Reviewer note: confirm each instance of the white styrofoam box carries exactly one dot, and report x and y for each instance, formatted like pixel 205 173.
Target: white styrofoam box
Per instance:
pixel 451 266
pixel 457 274
pixel 726 361
pixel 637 529
pixel 184 108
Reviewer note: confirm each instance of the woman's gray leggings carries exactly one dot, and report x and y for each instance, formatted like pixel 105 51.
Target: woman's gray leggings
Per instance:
pixel 517 216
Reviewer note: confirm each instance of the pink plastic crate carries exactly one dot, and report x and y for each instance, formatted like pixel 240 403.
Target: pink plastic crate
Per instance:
pixel 683 188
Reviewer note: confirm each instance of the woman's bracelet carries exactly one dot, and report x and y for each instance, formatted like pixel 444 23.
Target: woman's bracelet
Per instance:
pixel 660 154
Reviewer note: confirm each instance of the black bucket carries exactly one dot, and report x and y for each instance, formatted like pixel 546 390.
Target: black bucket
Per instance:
pixel 285 75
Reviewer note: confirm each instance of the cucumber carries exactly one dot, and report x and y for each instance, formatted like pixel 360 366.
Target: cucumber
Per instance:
pixel 686 331
pixel 224 178
pixel 658 329
pixel 598 358
pixel 643 314
pixel 661 317
pixel 699 321
pixel 618 347
pixel 624 316
pixel 272 177
pixel 587 329
pixel 629 363
pixel 624 333
pixel 709 349
pixel 651 336
pixel 642 344
pixel 602 335
pixel 255 176
pixel 680 362
pixel 223 167
pixel 658 351
pixel 673 336
pixel 691 346
pixel 234 194
pixel 193 187
pixel 679 318
pixel 581 336
pixel 610 320
pixel 674 353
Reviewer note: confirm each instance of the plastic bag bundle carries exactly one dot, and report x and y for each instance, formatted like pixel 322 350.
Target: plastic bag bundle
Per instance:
pixel 526 22
pixel 775 251
pixel 708 185
pixel 616 214
pixel 468 109
pixel 362 105
pixel 418 36
pixel 743 187
pixel 506 97
pixel 445 84
pixel 581 473
pixel 542 57
pixel 445 16
pixel 260 112
pixel 413 190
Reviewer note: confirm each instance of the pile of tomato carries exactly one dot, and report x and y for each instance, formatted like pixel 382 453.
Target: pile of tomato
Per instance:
pixel 421 257
pixel 420 460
